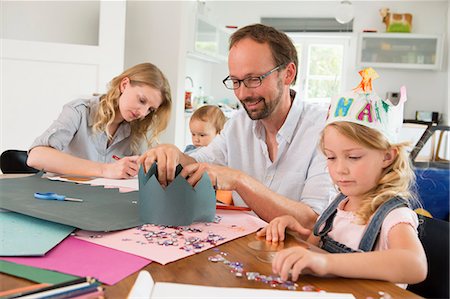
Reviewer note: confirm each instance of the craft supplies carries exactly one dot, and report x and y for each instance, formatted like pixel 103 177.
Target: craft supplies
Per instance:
pixel 237 268
pixel 165 244
pixel 54 196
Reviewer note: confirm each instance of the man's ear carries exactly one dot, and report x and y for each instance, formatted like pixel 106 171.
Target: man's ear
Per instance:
pixel 290 73
pixel 389 157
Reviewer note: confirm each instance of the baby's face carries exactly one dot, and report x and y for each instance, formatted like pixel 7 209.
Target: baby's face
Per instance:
pixel 202 132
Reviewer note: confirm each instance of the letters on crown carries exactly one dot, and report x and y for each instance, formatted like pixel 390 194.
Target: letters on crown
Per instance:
pixel 363 106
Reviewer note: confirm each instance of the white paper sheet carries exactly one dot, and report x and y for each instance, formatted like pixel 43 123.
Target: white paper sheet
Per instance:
pixel 124 185
pixel 144 284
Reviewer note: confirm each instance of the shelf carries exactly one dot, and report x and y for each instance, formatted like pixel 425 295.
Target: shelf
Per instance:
pixel 203 57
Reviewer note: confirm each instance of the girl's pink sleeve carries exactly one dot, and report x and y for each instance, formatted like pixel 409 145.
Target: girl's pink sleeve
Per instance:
pixel 399 215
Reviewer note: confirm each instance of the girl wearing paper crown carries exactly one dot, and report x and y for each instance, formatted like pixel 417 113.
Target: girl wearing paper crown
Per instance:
pixel 370 223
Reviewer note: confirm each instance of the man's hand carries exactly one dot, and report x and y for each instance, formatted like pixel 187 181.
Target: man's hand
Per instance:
pixel 221 177
pixel 167 156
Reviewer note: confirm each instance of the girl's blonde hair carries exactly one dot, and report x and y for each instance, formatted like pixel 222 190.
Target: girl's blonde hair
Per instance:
pixel 211 114
pixel 156 121
pixel 396 180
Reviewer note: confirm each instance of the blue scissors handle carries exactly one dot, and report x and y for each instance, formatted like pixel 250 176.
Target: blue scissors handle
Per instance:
pixel 49 196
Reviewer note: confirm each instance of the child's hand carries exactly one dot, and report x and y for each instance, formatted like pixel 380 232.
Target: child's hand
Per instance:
pixel 296 259
pixel 275 231
pixel 124 168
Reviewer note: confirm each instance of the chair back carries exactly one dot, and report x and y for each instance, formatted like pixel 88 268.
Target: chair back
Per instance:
pixel 434 235
pixel 15 161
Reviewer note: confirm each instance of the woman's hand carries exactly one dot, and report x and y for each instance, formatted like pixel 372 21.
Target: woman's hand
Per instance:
pixel 296 259
pixel 124 168
pixel 275 231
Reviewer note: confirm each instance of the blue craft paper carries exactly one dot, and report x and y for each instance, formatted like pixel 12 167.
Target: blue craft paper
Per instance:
pixel 22 235
pixel 179 204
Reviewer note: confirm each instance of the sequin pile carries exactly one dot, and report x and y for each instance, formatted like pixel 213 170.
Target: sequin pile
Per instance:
pixel 157 234
pixel 238 269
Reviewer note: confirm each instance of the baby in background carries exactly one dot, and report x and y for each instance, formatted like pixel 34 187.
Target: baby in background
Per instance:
pixel 206 122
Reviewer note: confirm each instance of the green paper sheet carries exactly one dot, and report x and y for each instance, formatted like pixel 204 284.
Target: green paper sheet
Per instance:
pixel 101 210
pixel 22 235
pixel 34 274
pixel 179 203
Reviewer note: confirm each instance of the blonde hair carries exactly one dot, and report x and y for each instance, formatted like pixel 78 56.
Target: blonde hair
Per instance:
pixel 156 121
pixel 211 114
pixel 396 180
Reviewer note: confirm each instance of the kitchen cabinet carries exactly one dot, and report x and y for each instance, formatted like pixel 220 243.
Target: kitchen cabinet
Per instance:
pixel 400 50
pixel 210 42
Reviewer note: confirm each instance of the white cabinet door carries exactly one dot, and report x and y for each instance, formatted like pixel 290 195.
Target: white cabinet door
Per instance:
pixel 211 41
pixel 206 38
pixel 400 50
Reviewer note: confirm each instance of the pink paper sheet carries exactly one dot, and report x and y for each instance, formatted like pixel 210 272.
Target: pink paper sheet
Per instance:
pixel 234 224
pixel 77 257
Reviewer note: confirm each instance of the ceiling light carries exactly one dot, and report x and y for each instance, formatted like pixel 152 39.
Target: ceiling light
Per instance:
pixel 344 12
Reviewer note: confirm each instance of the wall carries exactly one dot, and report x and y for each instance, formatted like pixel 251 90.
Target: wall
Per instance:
pixel 158 32
pixel 77 21
pixel 41 72
pixel 427 90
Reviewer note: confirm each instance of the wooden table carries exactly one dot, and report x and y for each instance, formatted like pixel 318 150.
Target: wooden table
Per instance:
pixel 198 270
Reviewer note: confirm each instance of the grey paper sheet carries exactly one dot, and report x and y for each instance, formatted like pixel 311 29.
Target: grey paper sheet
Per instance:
pixel 101 210
pixel 179 203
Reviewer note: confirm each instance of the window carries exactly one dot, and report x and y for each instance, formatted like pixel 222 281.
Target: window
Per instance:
pixel 321 65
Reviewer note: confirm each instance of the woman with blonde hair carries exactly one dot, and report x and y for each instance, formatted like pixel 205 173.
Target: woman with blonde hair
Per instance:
pixel 103 136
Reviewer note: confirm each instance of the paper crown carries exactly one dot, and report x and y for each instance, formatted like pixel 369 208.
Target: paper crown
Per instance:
pixel 179 204
pixel 363 106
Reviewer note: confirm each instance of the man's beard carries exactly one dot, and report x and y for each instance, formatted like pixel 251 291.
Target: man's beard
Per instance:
pixel 267 108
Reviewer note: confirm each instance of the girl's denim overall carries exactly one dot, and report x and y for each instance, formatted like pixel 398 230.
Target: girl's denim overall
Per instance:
pixel 370 235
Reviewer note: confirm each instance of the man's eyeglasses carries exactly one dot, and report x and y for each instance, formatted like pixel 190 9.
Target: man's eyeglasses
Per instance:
pixel 249 82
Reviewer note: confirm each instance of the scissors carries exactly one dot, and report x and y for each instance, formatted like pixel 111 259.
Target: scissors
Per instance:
pixel 54 196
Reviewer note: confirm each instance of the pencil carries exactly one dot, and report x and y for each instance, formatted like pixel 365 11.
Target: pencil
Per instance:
pixel 20 291
pixel 55 286
pixel 97 294
pixel 76 292
pixel 234 208
pixel 64 292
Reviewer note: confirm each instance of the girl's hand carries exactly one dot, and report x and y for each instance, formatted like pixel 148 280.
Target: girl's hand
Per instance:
pixel 124 168
pixel 296 259
pixel 275 231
